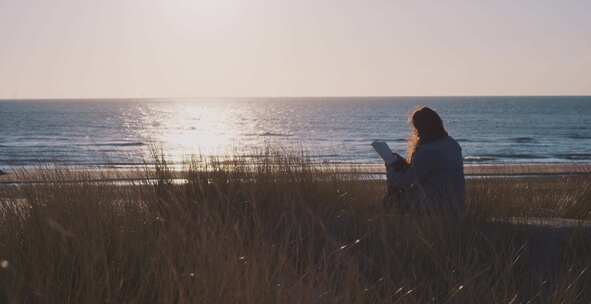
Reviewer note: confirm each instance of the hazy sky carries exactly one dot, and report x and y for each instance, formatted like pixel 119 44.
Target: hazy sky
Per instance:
pixel 185 48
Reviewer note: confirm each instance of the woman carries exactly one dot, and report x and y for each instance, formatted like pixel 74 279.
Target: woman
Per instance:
pixel 432 179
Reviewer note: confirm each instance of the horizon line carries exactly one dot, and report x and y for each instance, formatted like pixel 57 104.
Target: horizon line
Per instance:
pixel 281 97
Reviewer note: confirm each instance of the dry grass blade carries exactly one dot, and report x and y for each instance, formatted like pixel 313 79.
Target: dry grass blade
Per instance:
pixel 273 228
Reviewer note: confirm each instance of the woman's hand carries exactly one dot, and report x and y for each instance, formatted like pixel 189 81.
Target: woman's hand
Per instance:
pixel 398 165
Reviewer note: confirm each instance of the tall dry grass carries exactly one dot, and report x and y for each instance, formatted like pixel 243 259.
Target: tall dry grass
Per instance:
pixel 277 229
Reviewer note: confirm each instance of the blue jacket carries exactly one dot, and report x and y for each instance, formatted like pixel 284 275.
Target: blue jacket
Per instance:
pixel 436 176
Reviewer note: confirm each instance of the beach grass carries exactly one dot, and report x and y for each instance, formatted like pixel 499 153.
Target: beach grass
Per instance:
pixel 279 228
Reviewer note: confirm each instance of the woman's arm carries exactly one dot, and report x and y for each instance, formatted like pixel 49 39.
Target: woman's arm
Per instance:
pixel 403 178
pixel 421 166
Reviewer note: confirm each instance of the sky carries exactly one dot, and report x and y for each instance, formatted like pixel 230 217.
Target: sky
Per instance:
pixel 240 48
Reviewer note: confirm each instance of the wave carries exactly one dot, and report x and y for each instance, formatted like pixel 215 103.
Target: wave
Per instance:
pixel 264 134
pixel 29 161
pixel 525 156
pixel 389 140
pixel 54 146
pixel 474 158
pixel 464 140
pixel 42 162
pixel 400 140
pixel 490 157
pixel 324 155
pixel 522 140
pixel 578 136
pixel 116 144
pixel 574 156
pixel 369 140
pixel 268 134
pixel 403 140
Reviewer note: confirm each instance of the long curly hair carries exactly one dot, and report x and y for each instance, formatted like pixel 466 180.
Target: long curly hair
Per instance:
pixel 427 127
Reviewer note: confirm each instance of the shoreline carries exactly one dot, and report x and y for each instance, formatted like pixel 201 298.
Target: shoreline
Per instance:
pixel 26 175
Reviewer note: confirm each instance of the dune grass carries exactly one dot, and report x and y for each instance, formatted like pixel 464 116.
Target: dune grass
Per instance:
pixel 278 229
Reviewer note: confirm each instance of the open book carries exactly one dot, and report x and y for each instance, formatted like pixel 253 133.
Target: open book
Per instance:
pixel 384 151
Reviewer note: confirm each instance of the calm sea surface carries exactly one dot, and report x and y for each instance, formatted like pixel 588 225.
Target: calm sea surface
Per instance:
pixel 490 129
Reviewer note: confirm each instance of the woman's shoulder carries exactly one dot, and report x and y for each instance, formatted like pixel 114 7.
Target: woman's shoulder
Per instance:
pixel 438 142
pixel 445 143
pixel 454 142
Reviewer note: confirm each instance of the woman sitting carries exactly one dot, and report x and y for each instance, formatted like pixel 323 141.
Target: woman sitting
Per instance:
pixel 431 180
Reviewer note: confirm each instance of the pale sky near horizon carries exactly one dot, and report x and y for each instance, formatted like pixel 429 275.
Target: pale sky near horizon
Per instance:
pixel 193 48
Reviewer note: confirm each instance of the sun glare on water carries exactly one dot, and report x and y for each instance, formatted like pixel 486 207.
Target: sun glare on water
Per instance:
pixel 185 129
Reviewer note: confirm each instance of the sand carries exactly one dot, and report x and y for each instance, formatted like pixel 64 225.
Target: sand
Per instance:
pixel 483 170
pixel 510 169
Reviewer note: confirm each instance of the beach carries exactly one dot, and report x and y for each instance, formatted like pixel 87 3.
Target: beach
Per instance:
pixel 21 175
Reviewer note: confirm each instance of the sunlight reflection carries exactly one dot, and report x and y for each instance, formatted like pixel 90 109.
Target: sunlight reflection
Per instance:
pixel 191 128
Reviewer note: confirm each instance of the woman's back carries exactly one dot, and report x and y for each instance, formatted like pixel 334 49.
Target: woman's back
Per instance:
pixel 439 170
pixel 435 178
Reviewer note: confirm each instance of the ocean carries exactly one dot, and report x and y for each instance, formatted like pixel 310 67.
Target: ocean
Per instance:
pixel 120 133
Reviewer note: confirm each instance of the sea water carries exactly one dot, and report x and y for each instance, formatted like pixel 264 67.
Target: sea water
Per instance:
pixel 123 132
